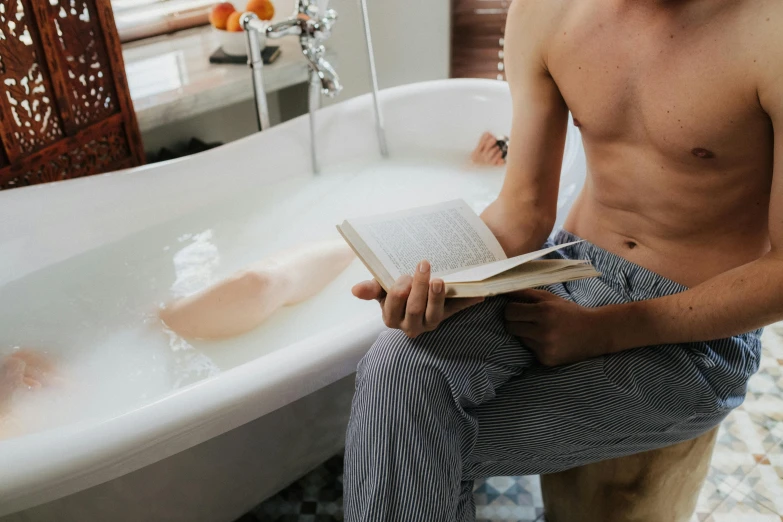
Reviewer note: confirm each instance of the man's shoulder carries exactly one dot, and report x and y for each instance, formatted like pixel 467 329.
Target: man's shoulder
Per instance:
pixel 543 14
pixel 537 20
pixel 762 23
pixel 758 25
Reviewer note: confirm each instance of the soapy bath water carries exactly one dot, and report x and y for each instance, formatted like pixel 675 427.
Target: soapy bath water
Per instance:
pixel 95 314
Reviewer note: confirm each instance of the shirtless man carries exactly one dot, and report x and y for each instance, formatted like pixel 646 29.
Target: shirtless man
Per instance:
pixel 682 211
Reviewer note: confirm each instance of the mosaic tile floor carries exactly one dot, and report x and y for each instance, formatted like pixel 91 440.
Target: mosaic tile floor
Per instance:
pixel 745 483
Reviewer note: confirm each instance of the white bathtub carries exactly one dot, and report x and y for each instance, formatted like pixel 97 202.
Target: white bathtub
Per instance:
pixel 153 428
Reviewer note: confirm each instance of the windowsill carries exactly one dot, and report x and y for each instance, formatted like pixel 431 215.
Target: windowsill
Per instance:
pixel 171 79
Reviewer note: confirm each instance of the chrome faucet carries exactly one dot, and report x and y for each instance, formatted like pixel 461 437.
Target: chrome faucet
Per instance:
pixel 313 24
pixel 313 30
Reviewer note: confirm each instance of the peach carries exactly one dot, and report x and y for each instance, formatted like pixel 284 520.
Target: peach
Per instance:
pixel 263 8
pixel 220 13
pixel 233 24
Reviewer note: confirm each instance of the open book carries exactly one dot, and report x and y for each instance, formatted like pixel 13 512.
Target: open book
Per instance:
pixel 460 248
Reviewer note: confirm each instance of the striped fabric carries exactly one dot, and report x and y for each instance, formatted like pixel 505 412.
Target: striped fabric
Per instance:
pixel 434 413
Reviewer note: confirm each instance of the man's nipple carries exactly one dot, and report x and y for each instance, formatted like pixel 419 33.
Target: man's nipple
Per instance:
pixel 577 123
pixel 703 153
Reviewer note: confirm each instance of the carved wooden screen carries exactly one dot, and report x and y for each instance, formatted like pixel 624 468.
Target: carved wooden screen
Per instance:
pixel 65 109
pixel 477 28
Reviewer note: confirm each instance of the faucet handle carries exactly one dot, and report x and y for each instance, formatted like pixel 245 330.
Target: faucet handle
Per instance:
pixel 311 11
pixel 323 27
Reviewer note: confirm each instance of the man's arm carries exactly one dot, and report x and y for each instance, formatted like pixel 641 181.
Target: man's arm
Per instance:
pixel 523 215
pixel 737 301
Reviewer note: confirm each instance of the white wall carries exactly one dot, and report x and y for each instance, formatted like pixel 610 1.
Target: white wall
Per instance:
pixel 411 40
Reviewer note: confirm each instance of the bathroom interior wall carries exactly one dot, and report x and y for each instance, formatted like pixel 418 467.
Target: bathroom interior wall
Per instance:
pixel 411 39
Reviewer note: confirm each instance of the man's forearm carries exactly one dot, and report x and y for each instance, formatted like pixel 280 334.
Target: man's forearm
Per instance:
pixel 737 301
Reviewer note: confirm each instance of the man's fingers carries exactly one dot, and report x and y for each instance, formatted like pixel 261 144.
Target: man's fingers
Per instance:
pixel 457 305
pixel 435 304
pixel 529 331
pixel 368 290
pixel 522 312
pixel 531 296
pixel 417 300
pixel 529 342
pixel 394 305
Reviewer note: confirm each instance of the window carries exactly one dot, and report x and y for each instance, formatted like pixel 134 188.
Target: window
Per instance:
pixel 142 18
pixel 477 28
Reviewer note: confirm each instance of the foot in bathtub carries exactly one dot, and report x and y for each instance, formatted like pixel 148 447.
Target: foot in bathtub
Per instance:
pixel 243 301
pixel 488 151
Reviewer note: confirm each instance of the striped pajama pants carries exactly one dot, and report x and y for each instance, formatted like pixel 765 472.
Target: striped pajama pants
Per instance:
pixel 467 401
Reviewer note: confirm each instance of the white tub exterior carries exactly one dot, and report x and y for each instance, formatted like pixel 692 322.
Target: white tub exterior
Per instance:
pixel 212 450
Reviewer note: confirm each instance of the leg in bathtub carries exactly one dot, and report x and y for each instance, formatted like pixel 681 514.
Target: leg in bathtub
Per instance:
pixel 243 301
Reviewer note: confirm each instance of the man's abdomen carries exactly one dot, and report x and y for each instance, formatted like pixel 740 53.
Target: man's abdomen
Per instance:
pixel 688 242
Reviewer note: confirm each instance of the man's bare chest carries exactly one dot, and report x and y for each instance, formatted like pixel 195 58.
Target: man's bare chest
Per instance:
pixel 687 95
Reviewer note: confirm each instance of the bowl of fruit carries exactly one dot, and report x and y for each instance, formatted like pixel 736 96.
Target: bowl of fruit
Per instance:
pixel 224 17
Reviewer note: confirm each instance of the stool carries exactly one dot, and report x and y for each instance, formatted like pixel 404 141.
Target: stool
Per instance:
pixel 661 485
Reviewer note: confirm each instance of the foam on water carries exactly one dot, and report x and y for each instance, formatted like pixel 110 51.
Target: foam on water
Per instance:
pixel 96 314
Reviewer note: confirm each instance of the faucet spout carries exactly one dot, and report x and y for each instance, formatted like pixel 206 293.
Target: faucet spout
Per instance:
pixel 290 27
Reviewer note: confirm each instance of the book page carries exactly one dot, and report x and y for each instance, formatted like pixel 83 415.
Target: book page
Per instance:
pixel 448 235
pixel 480 273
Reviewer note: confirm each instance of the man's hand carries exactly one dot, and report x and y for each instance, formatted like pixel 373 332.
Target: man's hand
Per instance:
pixel 558 331
pixel 414 304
